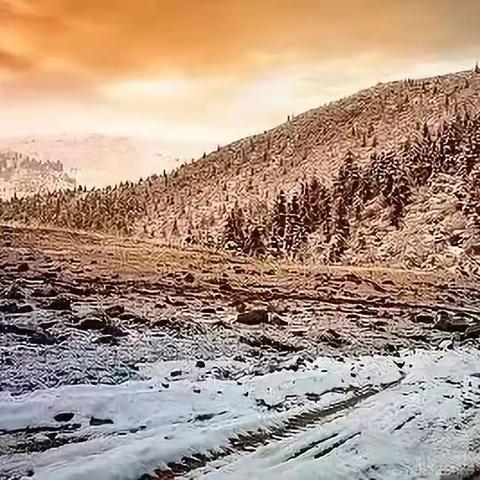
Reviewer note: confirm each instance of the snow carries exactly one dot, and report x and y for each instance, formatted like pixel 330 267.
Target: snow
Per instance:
pixel 413 422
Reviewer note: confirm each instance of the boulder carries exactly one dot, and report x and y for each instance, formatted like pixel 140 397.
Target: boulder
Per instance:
pixel 106 340
pixel 449 323
pixel 131 317
pixel 95 422
pixel 472 332
pixel 114 331
pixel 254 317
pixel 64 417
pixel 8 307
pixel 23 267
pixel 60 303
pixel 92 323
pixel 424 317
pixel 209 310
pixel 13 292
pixel 47 291
pixel 34 335
pixel 189 277
pixel 13 308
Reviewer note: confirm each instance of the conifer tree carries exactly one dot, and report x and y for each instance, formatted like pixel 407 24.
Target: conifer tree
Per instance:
pixel 279 224
pixel 234 231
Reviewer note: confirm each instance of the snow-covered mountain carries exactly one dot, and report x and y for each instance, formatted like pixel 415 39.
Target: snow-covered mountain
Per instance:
pixel 96 160
pixel 22 175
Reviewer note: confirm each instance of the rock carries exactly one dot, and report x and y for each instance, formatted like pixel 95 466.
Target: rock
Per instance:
pixel 333 338
pixel 23 267
pixel 189 277
pixel 50 275
pixel 47 324
pixel 13 308
pixel 64 417
pixel 449 323
pixel 8 307
pixel 472 332
pixel 47 291
pixel 41 338
pixel 209 310
pixel 114 331
pixel 446 345
pixel 81 291
pixel 175 302
pixel 115 310
pixel 96 422
pixel 35 336
pixel 424 317
pixel 276 319
pixel 13 292
pixel 295 363
pixel 60 303
pixel 106 340
pixel 176 373
pixel 253 317
pixel 24 308
pixel 200 364
pixel 92 324
pixel 131 317
pixel 161 323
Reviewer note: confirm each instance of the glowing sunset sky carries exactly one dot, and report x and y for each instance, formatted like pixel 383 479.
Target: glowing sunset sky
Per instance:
pixel 203 72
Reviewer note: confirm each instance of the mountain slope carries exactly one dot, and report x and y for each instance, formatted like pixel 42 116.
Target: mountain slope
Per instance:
pixel 96 160
pixel 394 166
pixel 21 175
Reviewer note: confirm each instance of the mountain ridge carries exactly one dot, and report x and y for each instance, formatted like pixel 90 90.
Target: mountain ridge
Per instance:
pixel 373 127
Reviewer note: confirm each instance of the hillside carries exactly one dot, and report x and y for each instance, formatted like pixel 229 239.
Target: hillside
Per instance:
pixel 386 176
pixel 21 175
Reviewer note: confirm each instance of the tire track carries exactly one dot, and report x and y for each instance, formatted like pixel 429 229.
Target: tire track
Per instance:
pixel 250 441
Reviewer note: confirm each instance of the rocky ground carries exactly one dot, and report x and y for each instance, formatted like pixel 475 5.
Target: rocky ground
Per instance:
pixel 90 325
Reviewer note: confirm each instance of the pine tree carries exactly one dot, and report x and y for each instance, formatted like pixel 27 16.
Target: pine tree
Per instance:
pixel 295 230
pixel 255 244
pixel 234 230
pixel 175 229
pixel 398 198
pixel 279 224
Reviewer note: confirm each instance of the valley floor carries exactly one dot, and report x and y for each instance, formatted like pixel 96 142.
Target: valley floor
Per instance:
pixel 125 359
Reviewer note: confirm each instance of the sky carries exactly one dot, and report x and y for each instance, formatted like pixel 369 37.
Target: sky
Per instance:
pixel 197 73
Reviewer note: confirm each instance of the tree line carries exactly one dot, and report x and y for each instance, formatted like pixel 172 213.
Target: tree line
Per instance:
pixel 390 176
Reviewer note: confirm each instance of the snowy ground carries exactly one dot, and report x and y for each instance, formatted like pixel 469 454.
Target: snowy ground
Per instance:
pixel 123 360
pixel 414 416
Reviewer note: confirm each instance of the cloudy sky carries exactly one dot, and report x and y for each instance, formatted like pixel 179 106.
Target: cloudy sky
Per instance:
pixel 202 72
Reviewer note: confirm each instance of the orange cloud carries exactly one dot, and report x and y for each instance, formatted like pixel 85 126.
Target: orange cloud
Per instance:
pixel 119 38
pixel 213 69
pixel 11 62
